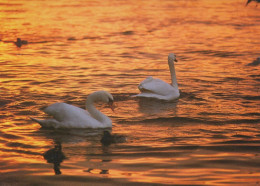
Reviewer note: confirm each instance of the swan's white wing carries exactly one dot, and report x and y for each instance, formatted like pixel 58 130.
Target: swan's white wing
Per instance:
pixel 155 86
pixel 70 116
pixel 63 111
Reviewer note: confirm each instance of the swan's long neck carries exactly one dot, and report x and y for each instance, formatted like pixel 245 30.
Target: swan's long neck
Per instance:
pixel 96 113
pixel 173 74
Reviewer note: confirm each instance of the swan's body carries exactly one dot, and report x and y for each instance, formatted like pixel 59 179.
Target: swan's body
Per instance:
pixel 156 88
pixel 69 116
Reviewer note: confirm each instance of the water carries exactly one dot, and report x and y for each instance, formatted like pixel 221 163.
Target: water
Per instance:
pixel 210 136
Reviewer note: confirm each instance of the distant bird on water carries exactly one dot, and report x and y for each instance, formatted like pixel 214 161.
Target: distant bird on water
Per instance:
pixel 20 42
pixel 256 62
pixel 258 1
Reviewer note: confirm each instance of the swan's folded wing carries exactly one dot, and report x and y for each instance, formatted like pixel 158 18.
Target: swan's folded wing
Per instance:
pixel 156 86
pixel 64 112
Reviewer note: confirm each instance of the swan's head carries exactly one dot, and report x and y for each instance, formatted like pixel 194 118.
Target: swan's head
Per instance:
pixel 172 57
pixel 102 96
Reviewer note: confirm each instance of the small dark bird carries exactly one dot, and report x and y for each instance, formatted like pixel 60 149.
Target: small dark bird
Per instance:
pixel 258 1
pixel 108 138
pixel 55 156
pixel 256 62
pixel 20 42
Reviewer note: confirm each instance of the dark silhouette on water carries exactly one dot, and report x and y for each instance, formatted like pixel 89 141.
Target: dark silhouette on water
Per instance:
pixel 102 171
pixel 258 1
pixel 55 156
pixel 256 62
pixel 20 42
pixel 108 138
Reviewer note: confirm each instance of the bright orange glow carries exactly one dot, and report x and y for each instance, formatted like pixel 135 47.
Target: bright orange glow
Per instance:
pixel 209 136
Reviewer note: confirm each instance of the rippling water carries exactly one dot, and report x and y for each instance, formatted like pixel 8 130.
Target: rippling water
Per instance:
pixel 210 136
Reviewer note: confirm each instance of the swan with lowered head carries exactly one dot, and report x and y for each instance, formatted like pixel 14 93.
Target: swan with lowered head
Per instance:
pixel 69 116
pixel 156 88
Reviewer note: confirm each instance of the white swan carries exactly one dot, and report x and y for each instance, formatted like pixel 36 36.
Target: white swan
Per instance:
pixel 69 116
pixel 156 88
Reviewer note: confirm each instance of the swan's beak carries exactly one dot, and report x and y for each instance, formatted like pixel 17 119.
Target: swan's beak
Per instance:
pixel 110 104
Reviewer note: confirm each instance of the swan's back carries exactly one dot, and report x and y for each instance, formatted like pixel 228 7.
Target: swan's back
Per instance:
pixel 157 86
pixel 64 111
pixel 69 116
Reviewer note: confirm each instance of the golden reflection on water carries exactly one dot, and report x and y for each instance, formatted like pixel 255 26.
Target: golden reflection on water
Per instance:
pixel 75 49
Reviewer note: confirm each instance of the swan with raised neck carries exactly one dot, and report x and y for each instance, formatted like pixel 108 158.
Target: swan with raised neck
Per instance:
pixel 158 89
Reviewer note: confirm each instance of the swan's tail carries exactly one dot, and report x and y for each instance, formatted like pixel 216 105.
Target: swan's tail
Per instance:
pixel 49 123
pixel 37 120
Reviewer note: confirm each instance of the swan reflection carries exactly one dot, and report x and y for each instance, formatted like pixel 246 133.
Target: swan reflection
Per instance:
pixel 102 170
pixel 93 157
pixel 102 166
pixel 154 106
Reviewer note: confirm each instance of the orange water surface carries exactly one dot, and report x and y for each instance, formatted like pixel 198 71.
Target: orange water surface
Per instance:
pixel 210 136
